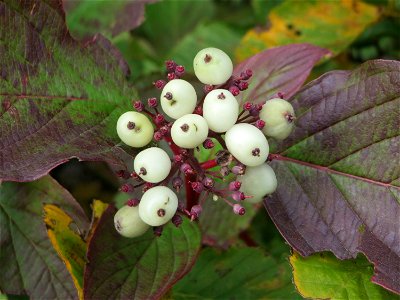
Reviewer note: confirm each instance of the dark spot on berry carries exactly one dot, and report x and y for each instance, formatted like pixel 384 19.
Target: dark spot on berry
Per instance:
pixel 131 125
pixel 255 152
pixel 207 58
pixel 161 212
pixel 221 96
pixel 185 127
pixel 168 96
pixel 118 225
pixel 143 171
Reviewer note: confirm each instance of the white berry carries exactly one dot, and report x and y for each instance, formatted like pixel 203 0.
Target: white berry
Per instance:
pixel 152 164
pixel 247 144
pixel 258 182
pixel 221 110
pixel 178 98
pixel 189 131
pixel 212 66
pixel 278 115
pixel 158 205
pixel 128 223
pixel 135 129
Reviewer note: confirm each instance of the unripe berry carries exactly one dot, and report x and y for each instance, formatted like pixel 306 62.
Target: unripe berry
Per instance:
pixel 158 205
pixel 234 90
pixel 189 131
pixel 195 212
pixel 152 164
pixel 220 109
pixel 247 144
pixel 134 129
pixel 278 115
pixel 258 182
pixel 234 185
pixel 178 98
pixel 212 66
pixel 159 84
pixel 128 223
pixel 239 210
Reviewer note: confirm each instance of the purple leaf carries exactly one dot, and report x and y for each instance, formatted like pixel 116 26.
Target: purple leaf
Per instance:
pixel 282 69
pixel 141 268
pixel 59 99
pixel 339 172
pixel 29 263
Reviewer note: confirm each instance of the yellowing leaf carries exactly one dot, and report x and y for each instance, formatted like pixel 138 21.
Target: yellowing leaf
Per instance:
pixel 69 245
pixel 328 24
pixel 98 208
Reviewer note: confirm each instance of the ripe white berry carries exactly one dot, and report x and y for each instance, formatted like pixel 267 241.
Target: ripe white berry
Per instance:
pixel 189 131
pixel 221 110
pixel 258 182
pixel 158 205
pixel 212 66
pixel 152 164
pixel 178 98
pixel 128 223
pixel 247 144
pixel 278 115
pixel 135 129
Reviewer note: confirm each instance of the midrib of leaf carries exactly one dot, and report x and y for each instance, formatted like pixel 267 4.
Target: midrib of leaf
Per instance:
pixel 50 271
pixel 332 171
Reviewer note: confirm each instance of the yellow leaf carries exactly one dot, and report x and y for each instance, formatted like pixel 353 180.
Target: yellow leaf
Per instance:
pixel 69 245
pixel 98 208
pixel 329 24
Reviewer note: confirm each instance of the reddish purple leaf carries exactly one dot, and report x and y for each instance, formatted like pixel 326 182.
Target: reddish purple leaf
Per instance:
pixel 60 99
pixel 282 69
pixel 339 172
pixel 141 268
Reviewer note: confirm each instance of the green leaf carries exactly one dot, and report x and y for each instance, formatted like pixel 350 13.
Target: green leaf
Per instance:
pixel 308 22
pixel 216 35
pixel 167 22
pixel 29 263
pixel 70 246
pixel 223 233
pixel 85 18
pixel 141 268
pixel 323 276
pixel 60 99
pixel 238 273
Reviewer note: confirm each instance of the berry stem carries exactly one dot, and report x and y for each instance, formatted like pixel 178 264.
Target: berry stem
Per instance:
pixel 209 164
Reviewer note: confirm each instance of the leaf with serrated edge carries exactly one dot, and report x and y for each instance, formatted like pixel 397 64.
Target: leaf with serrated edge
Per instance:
pixel 282 69
pixel 69 245
pixel 29 263
pixel 140 268
pixel 59 99
pixel 323 276
pixel 338 172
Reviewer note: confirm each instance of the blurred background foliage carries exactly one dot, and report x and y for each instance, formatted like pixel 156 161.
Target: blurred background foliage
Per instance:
pixel 354 31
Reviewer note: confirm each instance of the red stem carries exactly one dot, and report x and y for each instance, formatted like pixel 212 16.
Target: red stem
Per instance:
pixel 209 164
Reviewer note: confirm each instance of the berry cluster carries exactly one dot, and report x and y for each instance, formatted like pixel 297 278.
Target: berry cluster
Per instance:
pixel 187 124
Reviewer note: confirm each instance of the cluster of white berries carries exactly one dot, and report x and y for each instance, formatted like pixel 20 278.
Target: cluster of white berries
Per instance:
pixel 193 123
